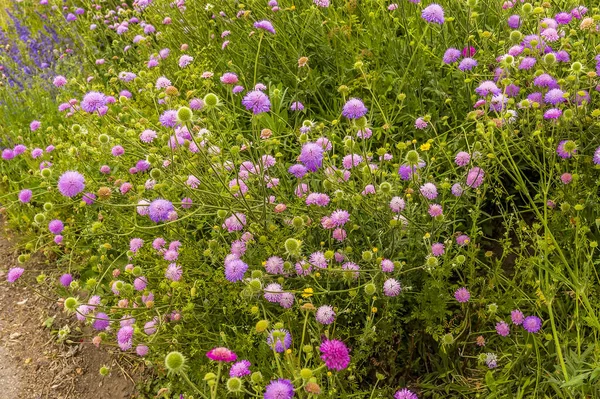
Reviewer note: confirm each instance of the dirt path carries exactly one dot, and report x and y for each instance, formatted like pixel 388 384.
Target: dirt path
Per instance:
pixel 33 364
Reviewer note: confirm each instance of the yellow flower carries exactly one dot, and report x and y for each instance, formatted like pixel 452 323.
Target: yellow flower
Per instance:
pixel 374 310
pixel 375 249
pixel 308 292
pixel 425 147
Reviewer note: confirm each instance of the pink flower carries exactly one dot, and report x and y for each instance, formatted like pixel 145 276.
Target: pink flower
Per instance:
pixel 221 354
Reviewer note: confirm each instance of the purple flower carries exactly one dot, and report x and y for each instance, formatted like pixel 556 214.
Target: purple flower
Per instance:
pixel 597 156
pixel 566 149
pixel 405 394
pixel 240 369
pixel 437 249
pixel 279 340
pixel 545 80
pixel 354 109
pixel 392 287
pixel 125 337
pixel 311 156
pixel 514 21
pixel 297 106
pixel 554 96
pixel 429 191
pixel 71 183
pixel 14 274
pixel 257 102
pixel 229 78
pixel 265 25
pixel 475 177
pixel 532 324
pixel 56 226
pixel 467 64
pixel 517 317
pixel 451 55
pixel 174 272
pixel 527 63
pixel 65 280
pixel 235 270
pixel 25 196
pixel 273 292
pixel 553 113
pixel 93 101
pixel 159 210
pixel 168 118
pixel 274 265
pixel 335 354
pixel 462 158
pixel 502 329
pixel 279 389
pixel 101 322
pixel 462 295
pixel 433 13
pixel 325 315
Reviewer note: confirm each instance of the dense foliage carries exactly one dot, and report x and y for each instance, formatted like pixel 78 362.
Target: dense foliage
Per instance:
pixel 300 198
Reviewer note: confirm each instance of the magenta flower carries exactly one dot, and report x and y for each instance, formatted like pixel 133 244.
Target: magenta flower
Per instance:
pixel 14 274
pixel 279 389
pixel 532 324
pixel 462 295
pixel 405 394
pixel 335 354
pixel 475 177
pixel 502 329
pixel 517 317
pixel 71 183
pixel 221 354
pixel 311 156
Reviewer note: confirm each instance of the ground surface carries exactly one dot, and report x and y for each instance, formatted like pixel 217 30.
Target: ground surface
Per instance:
pixel 33 364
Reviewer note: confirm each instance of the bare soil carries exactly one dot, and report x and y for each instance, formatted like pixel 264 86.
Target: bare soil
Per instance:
pixel 33 363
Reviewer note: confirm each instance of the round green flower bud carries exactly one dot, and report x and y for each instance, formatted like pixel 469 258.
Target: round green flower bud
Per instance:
pixel 91 283
pixel 576 66
pixel 48 206
pixel 262 325
pixel 527 8
pixel 292 245
pixel 278 326
pixel 447 339
pixel 370 289
pixel 255 285
pixel 234 384
pixel 22 258
pixel 121 130
pixel 516 36
pixel 256 274
pixel 74 285
pixel 460 259
pixel 385 187
pixel 104 370
pixel 492 308
pixel 329 254
pixel 276 93
pixel 256 377
pixel 71 304
pixel 104 138
pixel 549 59
pixel 412 157
pixel 367 256
pixel 431 262
pixel 361 123
pixel 174 362
pixel 297 222
pixel 184 114
pixel 39 218
pixel 136 271
pixel 221 213
pixel 155 173
pixel 46 173
pixel 307 348
pixel 306 373
pixel 209 376
pixel 508 60
pixel 211 100
pixel 76 128
pixel 472 3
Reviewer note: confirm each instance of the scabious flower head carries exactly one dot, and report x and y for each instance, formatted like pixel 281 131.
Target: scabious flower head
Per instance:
pixel 545 80
pixel 71 183
pixel 553 113
pixel 462 295
pixel 56 226
pixel 451 55
pixel 397 204
pixel 159 210
pixel 435 210
pixel 279 340
pixel 265 25
pixel 325 315
pixel 491 360
pixel 351 160
pixel 279 389
pixel 502 328
pixel 168 118
pixel 125 337
pixel 221 354
pixel 467 64
pixel 235 222
pixel 550 34
pixel 437 249
pixel 340 217
pixel 405 394
pixel 101 321
pixel 433 13
pixel 420 123
pixel 297 106
pixel 391 287
pixel 354 109
pixel 335 354
pixel 321 3
pixel 257 102
pixel 517 317
pixel 532 324
pixel 514 21
pixel 554 96
pixel 185 60
pixel 25 195
pixel 387 266
pixel 235 270
pixel 318 260
pixel 527 63
pixel 486 88
pixel 475 177
pixel 429 191
pixel 229 78
pixel 563 18
pixel 240 369
pixel 597 156
pixel 93 101
pixel 274 265
pixel 462 158
pixel 311 156
pixel 14 274
pixel 462 240
pixel 273 292
pixel 65 280
pixel 566 178
pixel 566 149
pixel 173 272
